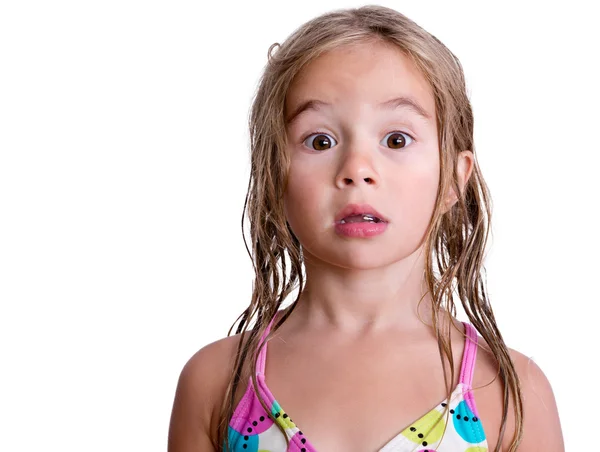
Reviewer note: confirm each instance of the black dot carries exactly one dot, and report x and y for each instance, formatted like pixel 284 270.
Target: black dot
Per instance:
pixel 246 437
pixel 424 443
pixel 443 404
pixel 255 423
pixel 420 435
pixel 249 429
pixel 277 414
pixel 245 446
pixel 458 416
pixel 303 440
pixel 412 429
pixel 285 416
pixel 303 449
pixel 262 418
pixel 452 411
pixel 300 433
pixel 466 418
pixel 475 419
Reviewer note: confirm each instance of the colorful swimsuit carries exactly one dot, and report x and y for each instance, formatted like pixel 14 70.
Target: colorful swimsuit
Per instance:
pixel 251 430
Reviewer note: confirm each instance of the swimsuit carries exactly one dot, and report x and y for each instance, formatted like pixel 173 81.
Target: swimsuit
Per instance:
pixel 251 430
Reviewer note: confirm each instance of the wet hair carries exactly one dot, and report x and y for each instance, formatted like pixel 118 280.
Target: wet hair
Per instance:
pixel 455 239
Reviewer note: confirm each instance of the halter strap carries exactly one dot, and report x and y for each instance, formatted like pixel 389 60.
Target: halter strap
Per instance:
pixel 260 365
pixel 469 355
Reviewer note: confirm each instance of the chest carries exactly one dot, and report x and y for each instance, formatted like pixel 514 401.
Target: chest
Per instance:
pixel 355 399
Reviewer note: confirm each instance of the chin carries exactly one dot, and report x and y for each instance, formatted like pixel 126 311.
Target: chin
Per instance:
pixel 358 258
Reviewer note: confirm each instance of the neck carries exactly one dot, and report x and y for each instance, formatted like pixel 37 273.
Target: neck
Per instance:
pixel 359 301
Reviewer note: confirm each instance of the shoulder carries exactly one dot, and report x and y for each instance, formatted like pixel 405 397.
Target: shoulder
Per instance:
pixel 541 423
pixel 200 391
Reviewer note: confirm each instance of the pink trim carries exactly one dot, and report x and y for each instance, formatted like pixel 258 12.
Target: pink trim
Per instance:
pixel 470 401
pixel 469 355
pixel 468 366
pixel 243 407
pixel 262 357
pixel 241 411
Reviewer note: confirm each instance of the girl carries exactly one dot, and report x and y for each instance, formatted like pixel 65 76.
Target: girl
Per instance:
pixel 366 196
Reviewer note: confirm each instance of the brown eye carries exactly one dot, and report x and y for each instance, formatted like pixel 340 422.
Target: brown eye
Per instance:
pixel 320 141
pixel 397 140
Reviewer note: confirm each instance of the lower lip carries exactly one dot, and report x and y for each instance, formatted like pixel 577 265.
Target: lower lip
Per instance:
pixel 362 229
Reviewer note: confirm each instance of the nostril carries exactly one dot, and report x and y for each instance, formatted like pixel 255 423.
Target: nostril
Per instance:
pixel 348 180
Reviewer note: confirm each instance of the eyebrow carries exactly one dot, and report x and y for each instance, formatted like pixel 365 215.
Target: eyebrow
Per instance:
pixel 397 102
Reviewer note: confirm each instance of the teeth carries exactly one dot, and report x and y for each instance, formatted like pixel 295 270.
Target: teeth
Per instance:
pixel 366 217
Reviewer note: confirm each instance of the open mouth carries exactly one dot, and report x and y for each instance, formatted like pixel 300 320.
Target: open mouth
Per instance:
pixel 360 218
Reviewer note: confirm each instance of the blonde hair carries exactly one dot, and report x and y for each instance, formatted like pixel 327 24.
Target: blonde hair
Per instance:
pixel 454 240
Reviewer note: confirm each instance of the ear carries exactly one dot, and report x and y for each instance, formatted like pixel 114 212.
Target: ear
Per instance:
pixel 464 168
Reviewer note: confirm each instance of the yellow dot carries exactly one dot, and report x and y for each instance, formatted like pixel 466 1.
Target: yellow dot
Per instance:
pixel 430 427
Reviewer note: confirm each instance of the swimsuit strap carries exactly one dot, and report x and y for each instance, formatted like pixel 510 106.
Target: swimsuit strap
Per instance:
pixel 469 355
pixel 262 357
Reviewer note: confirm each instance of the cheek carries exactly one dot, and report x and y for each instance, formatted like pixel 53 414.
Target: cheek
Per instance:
pixel 301 197
pixel 308 200
pixel 424 192
pixel 416 196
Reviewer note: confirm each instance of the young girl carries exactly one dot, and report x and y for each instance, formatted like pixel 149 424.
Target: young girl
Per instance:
pixel 366 196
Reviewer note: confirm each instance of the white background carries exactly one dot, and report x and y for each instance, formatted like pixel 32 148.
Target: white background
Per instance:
pixel 124 165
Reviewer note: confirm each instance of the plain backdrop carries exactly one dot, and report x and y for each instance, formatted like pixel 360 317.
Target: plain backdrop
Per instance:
pixel 123 170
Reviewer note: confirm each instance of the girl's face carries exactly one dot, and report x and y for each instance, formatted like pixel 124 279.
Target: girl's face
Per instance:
pixel 355 144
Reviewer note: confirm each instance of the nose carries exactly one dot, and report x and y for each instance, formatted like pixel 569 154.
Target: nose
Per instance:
pixel 356 169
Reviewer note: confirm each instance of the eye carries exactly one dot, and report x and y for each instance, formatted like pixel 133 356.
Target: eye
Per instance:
pixel 396 140
pixel 320 141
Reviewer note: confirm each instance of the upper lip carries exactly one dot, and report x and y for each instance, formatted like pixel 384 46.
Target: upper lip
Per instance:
pixel 358 209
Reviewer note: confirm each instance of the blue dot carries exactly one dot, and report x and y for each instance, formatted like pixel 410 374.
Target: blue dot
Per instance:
pixel 470 431
pixel 237 441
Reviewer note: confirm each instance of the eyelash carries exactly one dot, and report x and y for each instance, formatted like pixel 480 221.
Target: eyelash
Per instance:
pixel 324 133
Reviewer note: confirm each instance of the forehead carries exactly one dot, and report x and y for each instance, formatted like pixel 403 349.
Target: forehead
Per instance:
pixel 361 73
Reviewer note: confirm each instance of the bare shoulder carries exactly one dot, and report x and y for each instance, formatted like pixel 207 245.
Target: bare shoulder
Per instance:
pixel 541 423
pixel 200 390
